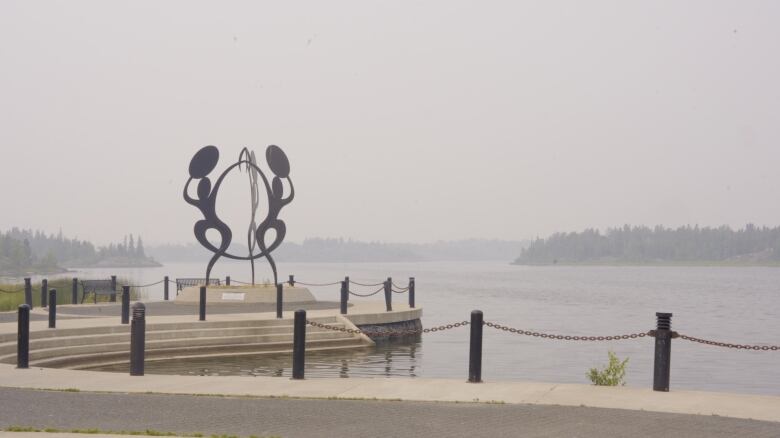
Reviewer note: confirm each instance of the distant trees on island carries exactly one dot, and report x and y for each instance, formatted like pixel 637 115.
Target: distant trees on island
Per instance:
pixel 28 251
pixel 347 250
pixel 750 245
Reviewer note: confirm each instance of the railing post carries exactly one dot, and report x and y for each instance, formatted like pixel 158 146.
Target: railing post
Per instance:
pixel 291 281
pixel 23 337
pixel 165 288
pixel 125 304
pixel 113 288
pixel 346 279
pixel 475 347
pixel 74 291
pixel 137 340
pixel 411 292
pixel 227 280
pixel 28 292
pixel 202 306
pixel 279 301
pixel 299 344
pixel 44 292
pixel 663 352
pixel 389 294
pixel 53 308
pixel 344 294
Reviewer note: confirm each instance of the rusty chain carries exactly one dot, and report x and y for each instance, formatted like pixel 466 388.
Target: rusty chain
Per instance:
pixel 366 284
pixel 367 295
pixel 728 345
pixel 390 332
pixel 651 333
pixel 563 337
pixel 317 284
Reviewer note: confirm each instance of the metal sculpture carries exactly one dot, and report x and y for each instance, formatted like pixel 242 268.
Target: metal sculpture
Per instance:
pixel 201 165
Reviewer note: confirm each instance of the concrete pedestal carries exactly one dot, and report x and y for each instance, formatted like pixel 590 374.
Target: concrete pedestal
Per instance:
pixel 244 294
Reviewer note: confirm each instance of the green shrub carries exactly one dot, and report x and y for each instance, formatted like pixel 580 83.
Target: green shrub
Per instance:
pixel 611 375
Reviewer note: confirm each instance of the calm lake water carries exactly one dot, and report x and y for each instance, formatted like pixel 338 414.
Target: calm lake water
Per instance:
pixel 738 305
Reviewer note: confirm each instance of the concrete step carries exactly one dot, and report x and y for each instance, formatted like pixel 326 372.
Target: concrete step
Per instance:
pixel 84 360
pixel 309 348
pixel 169 326
pixel 77 339
pixel 173 343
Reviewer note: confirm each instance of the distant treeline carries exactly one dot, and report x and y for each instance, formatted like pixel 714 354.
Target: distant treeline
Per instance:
pixel 750 245
pixel 28 251
pixel 347 250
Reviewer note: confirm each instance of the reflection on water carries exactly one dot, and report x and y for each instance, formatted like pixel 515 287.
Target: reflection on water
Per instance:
pixel 395 357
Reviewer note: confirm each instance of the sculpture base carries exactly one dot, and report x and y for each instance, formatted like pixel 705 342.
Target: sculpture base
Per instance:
pixel 244 294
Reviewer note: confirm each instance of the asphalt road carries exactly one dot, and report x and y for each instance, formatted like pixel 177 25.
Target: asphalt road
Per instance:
pixel 291 418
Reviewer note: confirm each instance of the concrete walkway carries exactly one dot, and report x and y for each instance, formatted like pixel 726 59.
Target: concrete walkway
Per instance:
pixel 347 419
pixel 746 406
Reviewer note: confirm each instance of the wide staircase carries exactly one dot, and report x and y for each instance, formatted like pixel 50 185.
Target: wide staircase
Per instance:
pixel 80 348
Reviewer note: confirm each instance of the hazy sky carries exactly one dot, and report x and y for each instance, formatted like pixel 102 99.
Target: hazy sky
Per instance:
pixel 403 121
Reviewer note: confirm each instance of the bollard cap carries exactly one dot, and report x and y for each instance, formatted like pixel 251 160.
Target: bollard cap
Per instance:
pixel 24 307
pixel 139 311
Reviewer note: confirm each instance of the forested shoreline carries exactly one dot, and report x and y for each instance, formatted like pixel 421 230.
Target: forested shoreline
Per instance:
pixel 688 245
pixel 28 252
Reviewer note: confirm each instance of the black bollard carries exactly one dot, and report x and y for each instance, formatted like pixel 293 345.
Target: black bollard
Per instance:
pixel 344 295
pixel 389 295
pixel 165 288
pixel 346 279
pixel 411 292
pixel 53 308
pixel 125 304
pixel 44 292
pixel 202 303
pixel 279 300
pixel 23 337
pixel 113 288
pixel 227 281
pixel 299 344
pixel 137 340
pixel 74 291
pixel 291 281
pixel 28 292
pixel 475 348
pixel 663 352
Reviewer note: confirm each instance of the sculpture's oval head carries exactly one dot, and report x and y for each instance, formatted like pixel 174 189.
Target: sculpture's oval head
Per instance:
pixel 204 161
pixel 277 161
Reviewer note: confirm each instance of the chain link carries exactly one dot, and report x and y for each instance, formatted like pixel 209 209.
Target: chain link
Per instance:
pixel 365 284
pixel 317 284
pixel 367 295
pixel 390 332
pixel 146 285
pixel 727 345
pixel 11 291
pixel 563 337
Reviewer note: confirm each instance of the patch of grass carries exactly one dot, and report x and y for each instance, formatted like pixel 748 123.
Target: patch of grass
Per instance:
pixel 613 374
pixel 64 286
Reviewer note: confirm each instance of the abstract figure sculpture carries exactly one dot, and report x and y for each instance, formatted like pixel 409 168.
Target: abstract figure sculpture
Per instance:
pixel 202 164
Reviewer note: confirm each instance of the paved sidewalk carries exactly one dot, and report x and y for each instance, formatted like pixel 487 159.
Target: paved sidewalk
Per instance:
pixel 345 419
pixel 746 406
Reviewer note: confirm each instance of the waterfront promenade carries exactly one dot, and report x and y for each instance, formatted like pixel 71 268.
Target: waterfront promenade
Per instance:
pixel 65 399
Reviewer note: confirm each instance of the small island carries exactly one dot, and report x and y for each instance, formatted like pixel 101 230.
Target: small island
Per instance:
pixel 26 252
pixel 658 246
